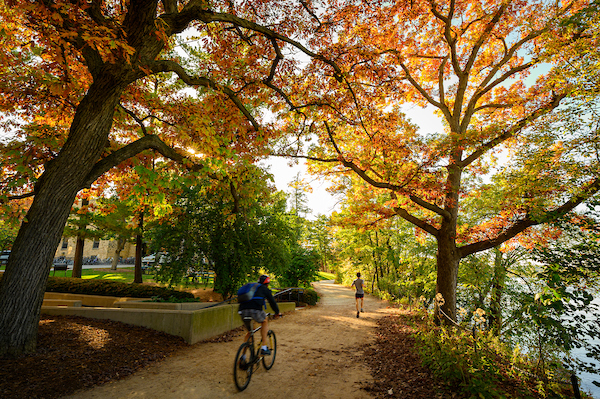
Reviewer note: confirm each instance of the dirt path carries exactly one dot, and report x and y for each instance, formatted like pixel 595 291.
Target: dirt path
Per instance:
pixel 317 357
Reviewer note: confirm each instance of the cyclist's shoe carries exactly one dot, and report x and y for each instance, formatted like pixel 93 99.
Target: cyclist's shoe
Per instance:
pixel 357 314
pixel 266 352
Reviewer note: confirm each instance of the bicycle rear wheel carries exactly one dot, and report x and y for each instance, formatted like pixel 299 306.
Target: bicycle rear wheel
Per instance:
pixel 242 369
pixel 272 344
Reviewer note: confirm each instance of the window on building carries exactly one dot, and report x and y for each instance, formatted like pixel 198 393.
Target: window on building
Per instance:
pixel 65 244
pixel 96 244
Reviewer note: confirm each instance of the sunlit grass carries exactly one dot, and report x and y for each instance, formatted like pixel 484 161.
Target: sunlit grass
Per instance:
pixel 326 276
pixel 104 276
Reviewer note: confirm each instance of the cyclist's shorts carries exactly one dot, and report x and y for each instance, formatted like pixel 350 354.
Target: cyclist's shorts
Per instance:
pixel 360 295
pixel 257 315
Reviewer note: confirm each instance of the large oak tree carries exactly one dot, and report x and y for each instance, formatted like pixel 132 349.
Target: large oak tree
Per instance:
pixel 492 71
pixel 71 68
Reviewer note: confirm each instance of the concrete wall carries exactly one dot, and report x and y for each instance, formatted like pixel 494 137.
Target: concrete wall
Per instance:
pixel 192 325
pixel 89 300
pixel 141 304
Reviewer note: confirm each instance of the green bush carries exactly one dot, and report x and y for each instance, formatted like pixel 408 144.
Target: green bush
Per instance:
pixel 307 295
pixel 310 297
pixel 111 288
pixel 172 299
pixel 481 366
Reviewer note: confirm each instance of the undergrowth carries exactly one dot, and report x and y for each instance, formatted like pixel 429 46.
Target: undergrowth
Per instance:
pixel 478 365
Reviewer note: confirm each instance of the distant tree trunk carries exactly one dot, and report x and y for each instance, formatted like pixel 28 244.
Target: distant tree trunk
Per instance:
pixel 117 254
pixel 78 258
pixel 24 281
pixel 138 252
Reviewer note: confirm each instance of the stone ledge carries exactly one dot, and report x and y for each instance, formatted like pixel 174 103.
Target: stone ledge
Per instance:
pixel 90 300
pixel 192 325
pixel 144 304
pixel 62 302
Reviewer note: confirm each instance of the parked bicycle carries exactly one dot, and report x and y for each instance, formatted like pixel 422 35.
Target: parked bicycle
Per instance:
pixel 249 356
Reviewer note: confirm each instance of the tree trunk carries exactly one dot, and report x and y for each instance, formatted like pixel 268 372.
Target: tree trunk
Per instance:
pixel 78 258
pixel 448 255
pixel 137 277
pixel 24 282
pixel 447 276
pixel 117 253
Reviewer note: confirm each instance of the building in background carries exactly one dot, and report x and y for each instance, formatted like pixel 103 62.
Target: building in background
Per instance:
pixel 101 250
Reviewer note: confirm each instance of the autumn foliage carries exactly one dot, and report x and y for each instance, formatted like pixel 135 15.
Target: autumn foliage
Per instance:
pixel 91 88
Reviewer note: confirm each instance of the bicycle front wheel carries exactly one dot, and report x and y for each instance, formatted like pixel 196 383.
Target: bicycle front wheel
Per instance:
pixel 272 344
pixel 242 369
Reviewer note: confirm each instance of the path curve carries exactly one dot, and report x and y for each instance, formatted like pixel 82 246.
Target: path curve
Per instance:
pixel 319 353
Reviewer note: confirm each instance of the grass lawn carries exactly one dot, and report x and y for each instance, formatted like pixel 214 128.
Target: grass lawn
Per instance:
pixel 124 275
pixel 326 276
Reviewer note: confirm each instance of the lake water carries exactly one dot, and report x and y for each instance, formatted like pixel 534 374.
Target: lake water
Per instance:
pixel 588 378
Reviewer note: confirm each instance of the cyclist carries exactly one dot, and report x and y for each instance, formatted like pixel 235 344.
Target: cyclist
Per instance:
pixel 255 308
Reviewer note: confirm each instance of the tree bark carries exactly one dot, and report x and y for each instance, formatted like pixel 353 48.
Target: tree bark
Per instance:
pixel 447 277
pixel 117 253
pixel 24 282
pixel 78 258
pixel 137 277
pixel 448 255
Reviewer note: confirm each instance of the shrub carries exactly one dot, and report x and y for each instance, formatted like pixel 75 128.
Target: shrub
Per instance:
pixel 310 297
pixel 172 299
pixel 111 288
pixel 481 366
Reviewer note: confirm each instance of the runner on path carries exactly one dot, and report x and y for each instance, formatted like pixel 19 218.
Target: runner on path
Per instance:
pixel 360 293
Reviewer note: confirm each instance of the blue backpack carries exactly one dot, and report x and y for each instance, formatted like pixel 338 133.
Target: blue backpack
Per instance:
pixel 246 292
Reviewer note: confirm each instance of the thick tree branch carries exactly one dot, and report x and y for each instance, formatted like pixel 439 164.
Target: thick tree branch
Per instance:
pixel 448 34
pixel 463 77
pixel 529 220
pixel 420 89
pixel 147 142
pixel 170 6
pixel 379 184
pixel 21 196
pixel 484 36
pixel 140 121
pixel 404 214
pixel 429 206
pixel 198 10
pixel 510 132
pixel 171 66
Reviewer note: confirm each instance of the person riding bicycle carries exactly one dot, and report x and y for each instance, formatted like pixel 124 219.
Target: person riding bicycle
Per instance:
pixel 255 308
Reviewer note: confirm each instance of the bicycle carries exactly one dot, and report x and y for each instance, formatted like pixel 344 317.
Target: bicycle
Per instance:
pixel 249 356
